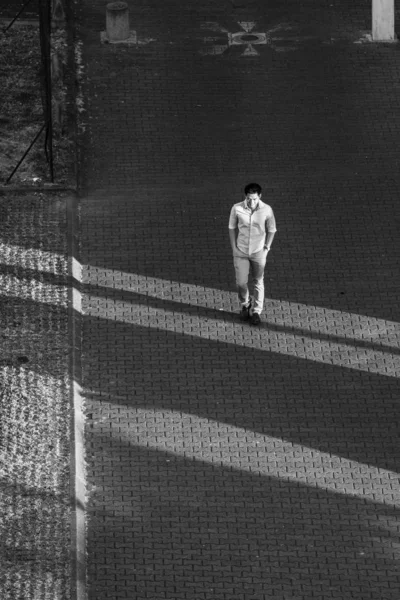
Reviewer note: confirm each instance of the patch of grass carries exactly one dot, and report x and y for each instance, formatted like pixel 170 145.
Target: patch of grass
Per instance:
pixel 21 108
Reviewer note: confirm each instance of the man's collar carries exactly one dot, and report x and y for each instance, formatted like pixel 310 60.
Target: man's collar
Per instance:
pixel 259 204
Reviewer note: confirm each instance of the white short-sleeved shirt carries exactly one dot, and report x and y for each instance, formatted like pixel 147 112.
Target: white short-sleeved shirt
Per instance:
pixel 252 226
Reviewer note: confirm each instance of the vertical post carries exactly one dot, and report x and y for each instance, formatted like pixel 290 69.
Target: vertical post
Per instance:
pixel 117 21
pixel 45 44
pixel 383 21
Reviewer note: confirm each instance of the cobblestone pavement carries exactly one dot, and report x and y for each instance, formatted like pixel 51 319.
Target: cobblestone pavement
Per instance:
pixel 34 398
pixel 227 462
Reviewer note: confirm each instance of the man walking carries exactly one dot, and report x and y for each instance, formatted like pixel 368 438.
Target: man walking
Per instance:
pixel 251 231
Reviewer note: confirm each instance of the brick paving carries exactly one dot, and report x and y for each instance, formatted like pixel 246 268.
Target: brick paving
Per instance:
pixel 227 462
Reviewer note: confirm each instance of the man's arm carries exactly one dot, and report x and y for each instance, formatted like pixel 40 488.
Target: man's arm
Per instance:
pixel 271 230
pixel 233 237
pixel 233 228
pixel 270 237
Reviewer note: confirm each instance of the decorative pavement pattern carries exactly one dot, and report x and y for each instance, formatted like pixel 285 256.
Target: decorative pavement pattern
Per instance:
pixel 227 462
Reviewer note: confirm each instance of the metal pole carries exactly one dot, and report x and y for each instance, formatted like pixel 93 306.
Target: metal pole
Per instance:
pixel 45 42
pixel 50 92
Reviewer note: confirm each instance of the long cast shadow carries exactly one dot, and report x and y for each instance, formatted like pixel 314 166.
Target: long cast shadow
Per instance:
pixel 186 529
pixel 190 308
pixel 349 413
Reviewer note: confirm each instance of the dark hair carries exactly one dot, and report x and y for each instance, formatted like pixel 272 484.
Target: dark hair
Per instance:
pixel 252 188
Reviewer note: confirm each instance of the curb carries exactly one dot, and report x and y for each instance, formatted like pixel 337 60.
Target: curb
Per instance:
pixel 4 189
pixel 77 426
pixel 77 478
pixel 6 21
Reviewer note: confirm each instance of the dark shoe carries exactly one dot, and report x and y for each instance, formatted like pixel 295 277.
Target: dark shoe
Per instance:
pixel 255 319
pixel 245 312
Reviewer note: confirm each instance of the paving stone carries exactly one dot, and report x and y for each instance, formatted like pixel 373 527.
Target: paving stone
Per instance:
pixel 228 461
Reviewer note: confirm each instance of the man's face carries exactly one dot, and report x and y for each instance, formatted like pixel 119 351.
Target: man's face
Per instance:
pixel 252 200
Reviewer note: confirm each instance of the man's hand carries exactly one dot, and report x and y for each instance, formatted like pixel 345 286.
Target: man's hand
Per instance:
pixel 233 233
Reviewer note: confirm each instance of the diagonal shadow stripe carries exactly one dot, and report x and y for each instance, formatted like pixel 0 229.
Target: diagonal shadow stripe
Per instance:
pixel 316 318
pixel 228 331
pixel 225 445
pixel 143 299
pixel 232 522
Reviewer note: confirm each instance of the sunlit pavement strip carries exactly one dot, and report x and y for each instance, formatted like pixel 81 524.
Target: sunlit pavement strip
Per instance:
pixel 384 335
pixel 224 445
pixel 31 258
pixel 31 289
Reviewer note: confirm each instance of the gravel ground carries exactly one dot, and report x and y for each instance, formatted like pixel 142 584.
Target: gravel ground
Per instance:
pixel 21 107
pixel 34 399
